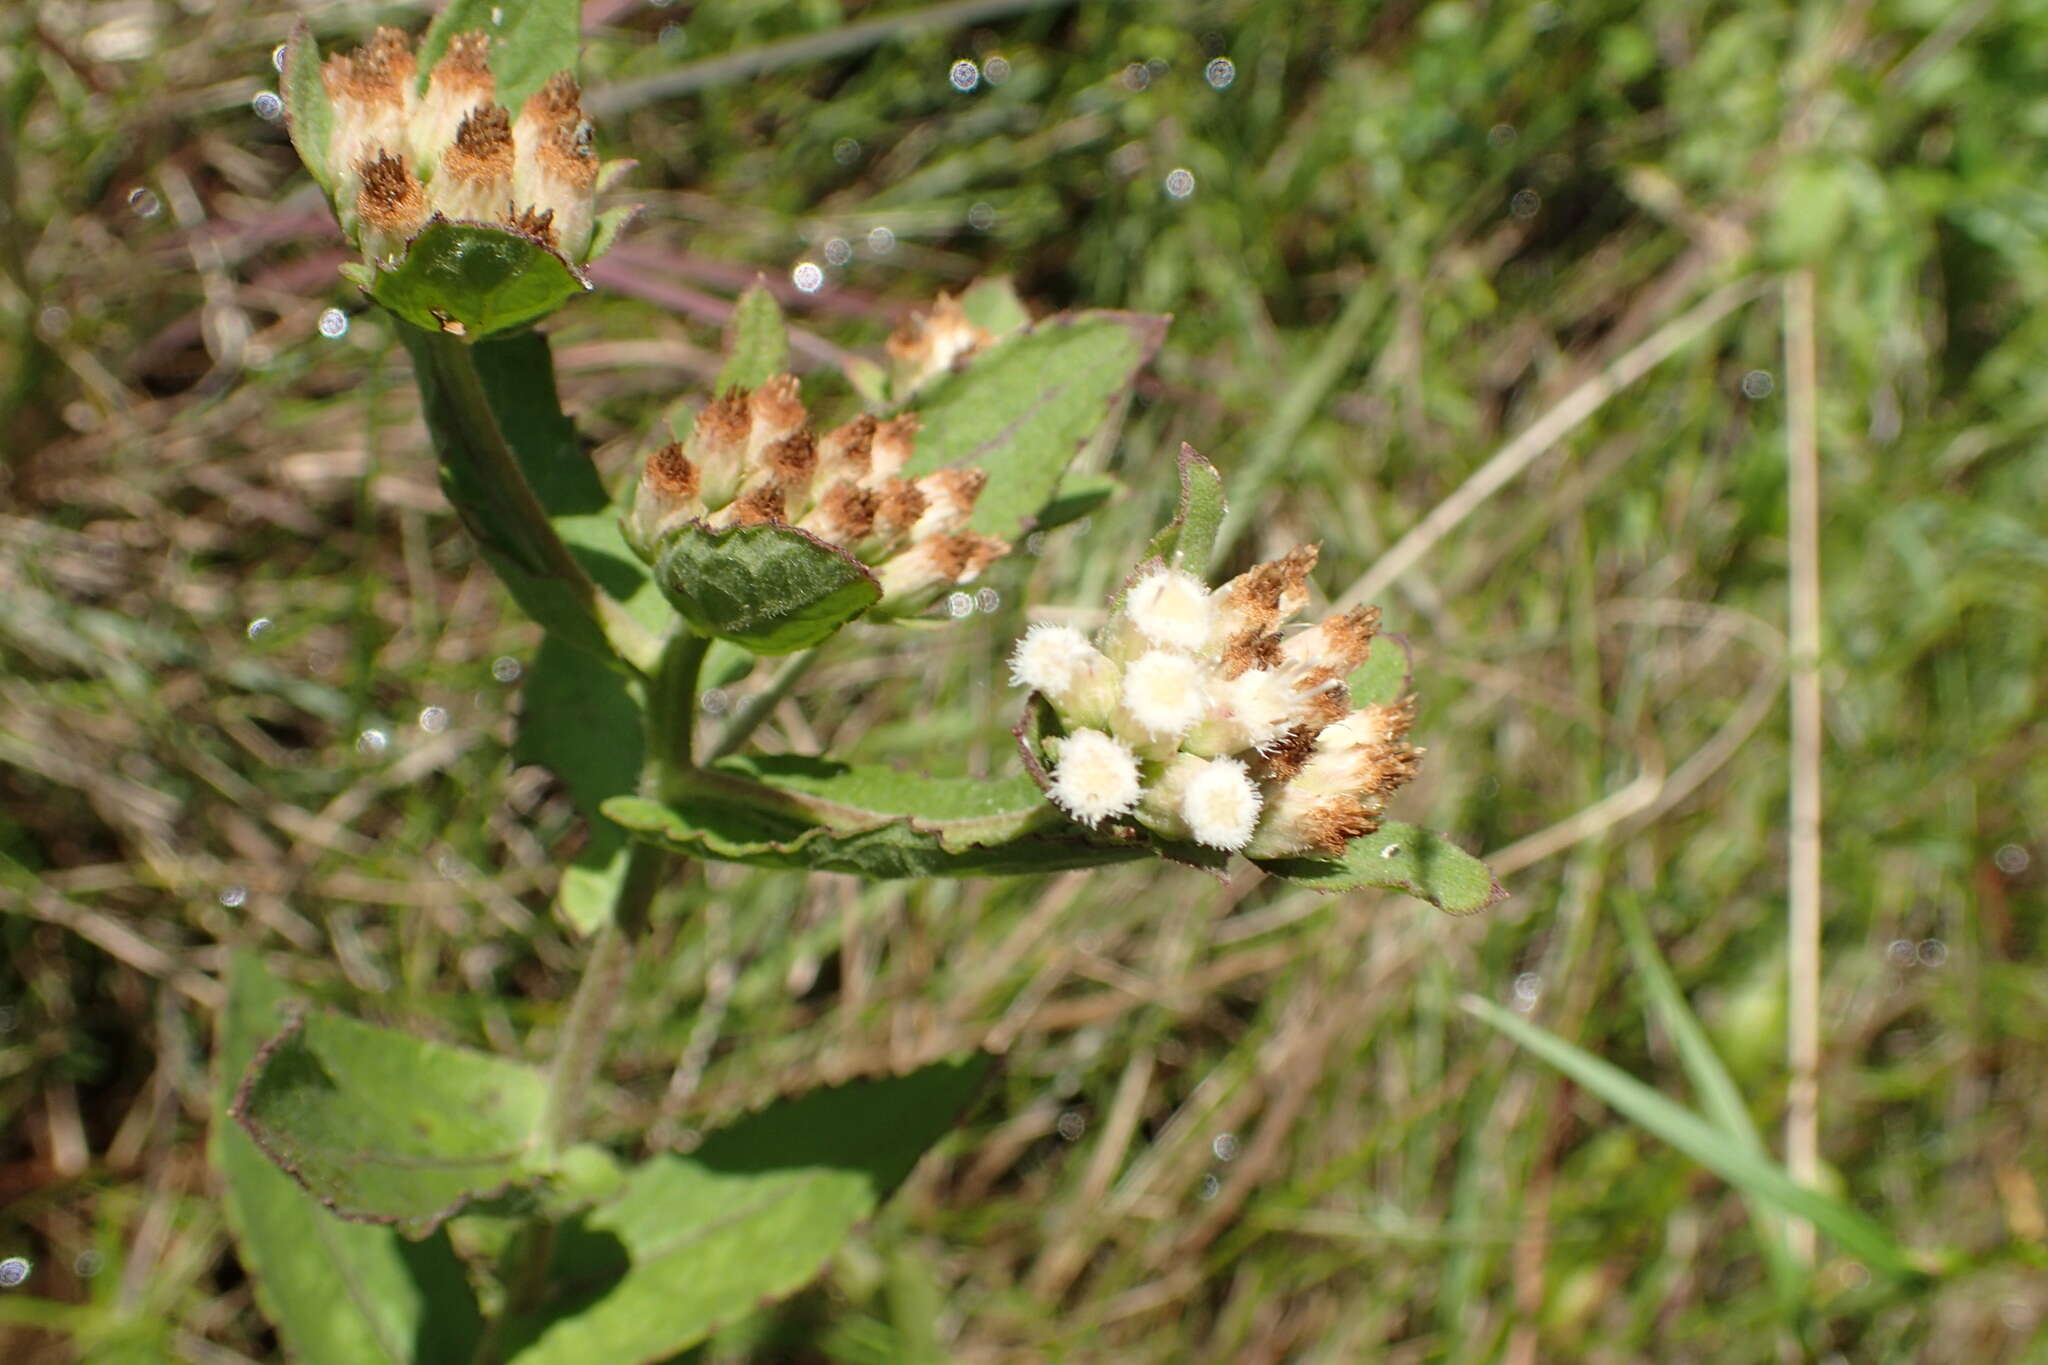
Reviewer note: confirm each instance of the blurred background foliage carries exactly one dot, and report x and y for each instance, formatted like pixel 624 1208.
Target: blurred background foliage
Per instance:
pixel 257 689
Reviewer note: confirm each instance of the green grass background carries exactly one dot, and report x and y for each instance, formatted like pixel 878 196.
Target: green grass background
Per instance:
pixel 1235 1122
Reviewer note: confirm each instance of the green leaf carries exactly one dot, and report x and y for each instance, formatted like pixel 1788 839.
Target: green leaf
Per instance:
pixel 760 835
pixel 581 720
pixel 338 1293
pixel 756 341
pixel 477 279
pixel 1190 537
pixel 993 304
pixel 772 589
pixel 964 812
pixel 1023 408
pixel 385 1127
pixel 1400 857
pixel 530 41
pixel 1386 675
pixel 308 112
pixel 1728 1157
pixel 695 1242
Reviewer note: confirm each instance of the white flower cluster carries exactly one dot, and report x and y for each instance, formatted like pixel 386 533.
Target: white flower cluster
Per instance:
pixel 1195 715
pixel 752 458
pixel 403 156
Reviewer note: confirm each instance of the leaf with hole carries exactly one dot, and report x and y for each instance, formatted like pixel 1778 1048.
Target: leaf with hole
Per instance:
pixel 769 588
pixel 385 1127
pixel 693 1243
pixel 1399 857
pixel 1024 408
pixel 339 1293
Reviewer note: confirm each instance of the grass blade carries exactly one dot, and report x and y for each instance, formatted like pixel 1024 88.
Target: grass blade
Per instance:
pixel 1741 1166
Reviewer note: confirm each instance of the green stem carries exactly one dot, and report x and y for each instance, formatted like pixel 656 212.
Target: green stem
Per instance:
pixel 580 1049
pixel 491 492
pixel 758 706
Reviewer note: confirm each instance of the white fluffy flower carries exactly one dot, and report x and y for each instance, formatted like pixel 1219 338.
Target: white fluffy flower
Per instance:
pixel 1172 608
pixel 1165 693
pixel 1221 804
pixel 1096 777
pixel 1059 664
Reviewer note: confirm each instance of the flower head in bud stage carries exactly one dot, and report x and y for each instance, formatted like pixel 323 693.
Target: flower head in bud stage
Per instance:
pixel 467 156
pixel 929 344
pixel 1242 733
pixel 752 457
pixel 1095 776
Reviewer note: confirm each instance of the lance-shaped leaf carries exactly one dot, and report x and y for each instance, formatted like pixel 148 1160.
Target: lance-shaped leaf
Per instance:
pixel 769 588
pixel 474 280
pixel 1400 857
pixel 530 41
pixel 308 112
pixel 1190 538
pixel 719 826
pixel 338 1293
pixel 1026 406
pixel 385 1127
pixel 581 719
pixel 695 1242
pixel 756 341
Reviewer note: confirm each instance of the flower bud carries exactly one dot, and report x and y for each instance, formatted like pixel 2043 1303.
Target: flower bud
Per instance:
pixel 844 514
pixel 789 464
pixel 926 345
pixel 664 499
pixel 391 206
pixel 949 496
pixel 846 452
pixel 1164 694
pixel 1336 643
pixel 555 169
pixel 912 579
pixel 371 90
pixel 890 446
pixel 460 83
pixel 718 446
pixel 1160 606
pixel 1059 664
pixel 1094 777
pixel 474 181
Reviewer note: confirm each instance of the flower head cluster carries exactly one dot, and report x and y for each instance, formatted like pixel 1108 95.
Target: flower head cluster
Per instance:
pixel 926 345
pixel 753 457
pixel 403 154
pixel 1195 714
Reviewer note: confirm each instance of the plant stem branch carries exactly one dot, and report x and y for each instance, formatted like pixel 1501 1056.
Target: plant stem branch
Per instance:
pixel 761 703
pixel 1803 908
